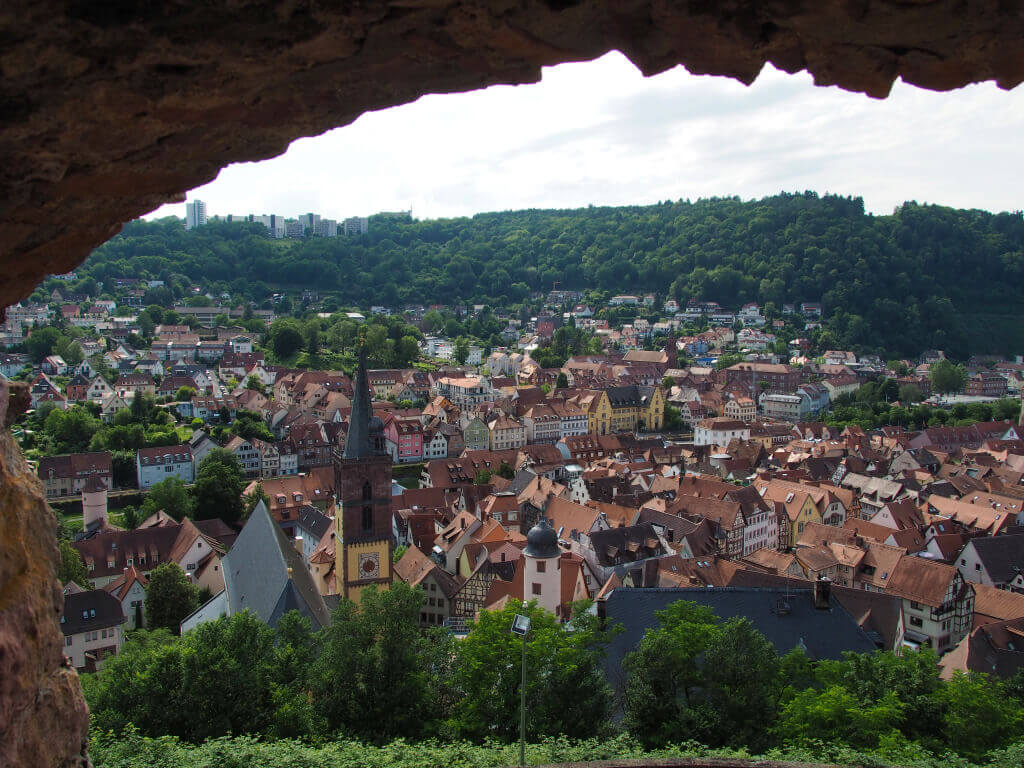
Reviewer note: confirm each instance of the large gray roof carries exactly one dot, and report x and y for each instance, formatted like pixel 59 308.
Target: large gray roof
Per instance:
pixel 1002 556
pixel 823 634
pixel 256 574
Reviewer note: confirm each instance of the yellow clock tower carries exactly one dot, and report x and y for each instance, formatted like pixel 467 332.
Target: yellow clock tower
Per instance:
pixel 362 479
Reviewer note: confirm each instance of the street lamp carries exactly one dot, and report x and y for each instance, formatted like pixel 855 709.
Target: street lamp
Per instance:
pixel 521 626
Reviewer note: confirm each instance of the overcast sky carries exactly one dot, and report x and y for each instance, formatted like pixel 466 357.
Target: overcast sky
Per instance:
pixel 600 133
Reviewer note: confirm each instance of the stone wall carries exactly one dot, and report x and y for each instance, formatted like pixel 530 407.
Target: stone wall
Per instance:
pixel 112 108
pixel 43 717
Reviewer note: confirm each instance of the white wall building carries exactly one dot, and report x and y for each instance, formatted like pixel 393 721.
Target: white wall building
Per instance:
pixel 153 465
pixel 195 214
pixel 719 431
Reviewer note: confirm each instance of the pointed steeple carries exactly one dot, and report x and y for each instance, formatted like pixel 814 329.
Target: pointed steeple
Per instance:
pixel 357 446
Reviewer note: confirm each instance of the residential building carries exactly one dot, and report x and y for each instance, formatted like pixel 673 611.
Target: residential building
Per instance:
pixel 720 430
pixel 248 456
pixel 506 433
pixel 994 561
pixel 476 436
pixel 986 384
pixel 91 623
pixel 130 590
pixel 937 602
pixel 404 440
pixel 741 409
pixel 572 419
pixel 783 407
pixel 774 376
pixel 68 474
pixel 543 424
pixel 439 586
pixel 154 465
pixel 195 214
pixel 464 391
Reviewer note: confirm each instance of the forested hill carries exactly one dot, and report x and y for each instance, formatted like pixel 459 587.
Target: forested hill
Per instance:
pixel 925 276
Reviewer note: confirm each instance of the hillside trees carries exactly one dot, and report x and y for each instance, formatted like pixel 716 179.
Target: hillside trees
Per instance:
pixel 923 277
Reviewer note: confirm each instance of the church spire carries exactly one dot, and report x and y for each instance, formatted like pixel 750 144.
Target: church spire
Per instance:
pixel 357 445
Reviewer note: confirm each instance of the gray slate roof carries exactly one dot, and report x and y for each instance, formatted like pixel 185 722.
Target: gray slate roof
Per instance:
pixel 823 634
pixel 256 574
pixel 1001 555
pixel 86 611
pixel 311 522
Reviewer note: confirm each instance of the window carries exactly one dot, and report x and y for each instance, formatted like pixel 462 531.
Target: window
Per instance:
pixel 536 588
pixel 68 640
pixel 915 605
pixel 915 621
pixel 977 566
pixel 440 602
pixel 541 566
pixel 367 518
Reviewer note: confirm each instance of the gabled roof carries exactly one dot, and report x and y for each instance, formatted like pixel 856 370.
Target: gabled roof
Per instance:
pixel 1001 556
pixel 119 587
pixel 824 634
pixel 265 574
pixel 925 581
pixel 991 604
pixel 86 611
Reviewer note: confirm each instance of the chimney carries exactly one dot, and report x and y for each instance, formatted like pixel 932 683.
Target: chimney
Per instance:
pixel 822 593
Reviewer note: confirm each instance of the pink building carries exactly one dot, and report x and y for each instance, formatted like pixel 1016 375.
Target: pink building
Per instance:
pixel 404 439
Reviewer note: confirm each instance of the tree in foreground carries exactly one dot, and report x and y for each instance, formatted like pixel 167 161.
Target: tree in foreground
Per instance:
pixel 72 567
pixel 565 685
pixel 172 497
pixel 170 597
pixel 664 677
pixel 219 486
pixel 370 680
pixel 946 377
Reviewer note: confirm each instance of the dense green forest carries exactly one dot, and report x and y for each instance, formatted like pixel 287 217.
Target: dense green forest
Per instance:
pixel 925 276
pixel 373 677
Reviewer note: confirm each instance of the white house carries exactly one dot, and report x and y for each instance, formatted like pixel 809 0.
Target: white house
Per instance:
pixel 248 456
pixel 719 431
pixel 153 465
pixel 435 445
pixel 130 590
pixel 91 624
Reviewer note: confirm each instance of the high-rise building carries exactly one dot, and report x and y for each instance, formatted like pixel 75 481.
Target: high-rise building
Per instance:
pixel 362 481
pixel 357 225
pixel 195 214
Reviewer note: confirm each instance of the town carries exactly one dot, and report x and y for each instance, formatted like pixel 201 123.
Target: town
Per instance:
pixel 626 454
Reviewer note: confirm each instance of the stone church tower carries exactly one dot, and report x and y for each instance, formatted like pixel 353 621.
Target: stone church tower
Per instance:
pixel 362 479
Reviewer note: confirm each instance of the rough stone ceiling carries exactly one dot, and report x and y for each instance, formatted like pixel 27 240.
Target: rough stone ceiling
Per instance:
pixel 109 109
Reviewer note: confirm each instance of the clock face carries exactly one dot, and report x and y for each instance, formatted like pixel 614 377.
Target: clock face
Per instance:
pixel 369 565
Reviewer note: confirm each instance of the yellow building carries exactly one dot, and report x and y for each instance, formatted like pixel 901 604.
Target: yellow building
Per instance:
pixel 627 409
pixel 799 504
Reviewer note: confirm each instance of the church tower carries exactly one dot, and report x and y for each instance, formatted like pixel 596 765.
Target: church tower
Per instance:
pixel 362 481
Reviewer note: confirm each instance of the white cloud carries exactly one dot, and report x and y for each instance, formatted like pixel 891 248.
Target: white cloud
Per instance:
pixel 599 133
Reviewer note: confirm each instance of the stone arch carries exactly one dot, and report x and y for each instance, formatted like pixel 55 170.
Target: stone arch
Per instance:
pixel 111 109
